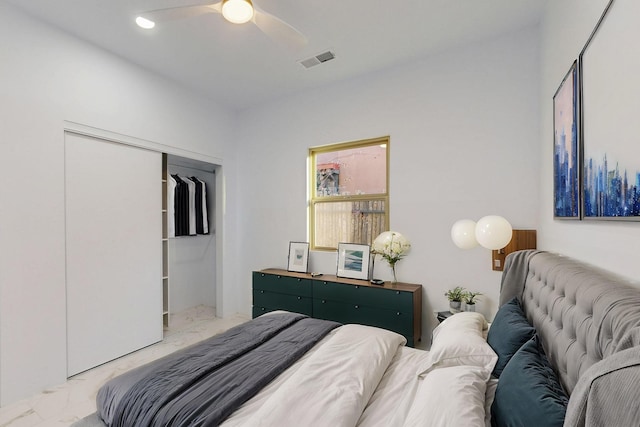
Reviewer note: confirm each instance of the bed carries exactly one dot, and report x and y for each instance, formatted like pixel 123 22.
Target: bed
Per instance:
pixel 562 349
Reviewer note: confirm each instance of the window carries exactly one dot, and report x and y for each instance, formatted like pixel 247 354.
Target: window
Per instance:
pixel 349 193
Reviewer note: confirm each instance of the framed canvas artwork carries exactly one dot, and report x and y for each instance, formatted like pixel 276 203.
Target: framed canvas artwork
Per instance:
pixel 610 128
pixel 566 157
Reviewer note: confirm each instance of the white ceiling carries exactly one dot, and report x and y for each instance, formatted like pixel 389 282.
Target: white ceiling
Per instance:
pixel 239 66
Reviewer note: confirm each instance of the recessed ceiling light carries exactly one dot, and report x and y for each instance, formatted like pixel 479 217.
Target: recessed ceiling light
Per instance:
pixel 145 23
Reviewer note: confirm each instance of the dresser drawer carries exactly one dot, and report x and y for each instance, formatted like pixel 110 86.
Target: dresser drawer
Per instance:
pixel 393 320
pixel 391 299
pixel 282 284
pixel 269 301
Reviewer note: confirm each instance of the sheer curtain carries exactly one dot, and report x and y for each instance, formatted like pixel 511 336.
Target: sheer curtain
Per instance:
pixel 367 221
pixel 333 224
pixel 349 222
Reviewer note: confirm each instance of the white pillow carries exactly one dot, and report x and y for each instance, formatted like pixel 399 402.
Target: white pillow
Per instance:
pixel 460 342
pixel 489 396
pixel 452 396
pixel 460 322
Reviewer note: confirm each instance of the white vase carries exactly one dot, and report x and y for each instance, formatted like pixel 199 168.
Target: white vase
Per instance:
pixel 470 307
pixel 394 280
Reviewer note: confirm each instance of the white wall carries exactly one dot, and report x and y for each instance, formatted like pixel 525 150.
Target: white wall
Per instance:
pixel 464 128
pixel 611 245
pixel 47 77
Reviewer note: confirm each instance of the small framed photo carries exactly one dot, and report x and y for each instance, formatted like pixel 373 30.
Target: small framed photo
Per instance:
pixel 353 261
pixel 298 257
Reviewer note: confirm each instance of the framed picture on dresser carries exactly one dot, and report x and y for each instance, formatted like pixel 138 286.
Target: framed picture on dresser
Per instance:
pixel 298 257
pixel 353 261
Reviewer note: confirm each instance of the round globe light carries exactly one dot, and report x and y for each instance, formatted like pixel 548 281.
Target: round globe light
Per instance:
pixel 463 234
pixel 493 232
pixel 237 11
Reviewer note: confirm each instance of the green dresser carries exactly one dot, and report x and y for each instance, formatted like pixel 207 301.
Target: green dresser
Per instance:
pixel 281 292
pixel 397 308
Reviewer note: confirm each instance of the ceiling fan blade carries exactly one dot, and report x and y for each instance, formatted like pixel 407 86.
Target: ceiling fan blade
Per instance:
pixel 279 30
pixel 181 12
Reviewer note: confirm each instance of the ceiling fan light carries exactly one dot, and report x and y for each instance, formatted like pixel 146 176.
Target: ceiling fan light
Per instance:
pixel 237 11
pixel 145 23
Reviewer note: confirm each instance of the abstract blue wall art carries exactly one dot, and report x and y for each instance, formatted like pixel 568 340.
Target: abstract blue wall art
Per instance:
pixel 610 133
pixel 566 168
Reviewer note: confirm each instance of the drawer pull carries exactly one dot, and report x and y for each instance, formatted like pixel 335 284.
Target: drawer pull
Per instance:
pixel 262 275
pixel 299 298
pixel 261 308
pixel 262 292
pixel 398 313
pixel 357 307
pixel 299 280
pixel 324 283
pixel 279 277
pixel 357 286
pixel 397 292
pixel 323 301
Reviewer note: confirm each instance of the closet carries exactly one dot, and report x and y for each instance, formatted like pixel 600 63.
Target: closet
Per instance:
pixel 125 276
pixel 190 259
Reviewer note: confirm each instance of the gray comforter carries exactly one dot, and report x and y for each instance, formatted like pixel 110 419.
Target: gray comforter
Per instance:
pixel 203 384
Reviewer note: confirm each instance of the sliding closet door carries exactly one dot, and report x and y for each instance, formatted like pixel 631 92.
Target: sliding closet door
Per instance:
pixel 113 250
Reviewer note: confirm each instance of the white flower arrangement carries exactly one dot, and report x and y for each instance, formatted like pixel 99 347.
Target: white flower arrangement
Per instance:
pixel 392 246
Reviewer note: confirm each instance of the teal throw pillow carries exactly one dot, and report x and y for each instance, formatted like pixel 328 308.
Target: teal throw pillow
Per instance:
pixel 529 393
pixel 509 331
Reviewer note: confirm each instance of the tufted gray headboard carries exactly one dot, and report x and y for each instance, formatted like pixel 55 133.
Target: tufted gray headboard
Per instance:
pixel 582 314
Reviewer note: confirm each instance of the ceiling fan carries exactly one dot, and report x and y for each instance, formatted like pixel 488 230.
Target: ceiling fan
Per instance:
pixel 235 11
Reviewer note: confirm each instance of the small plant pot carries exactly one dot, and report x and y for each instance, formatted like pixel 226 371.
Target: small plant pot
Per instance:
pixel 470 307
pixel 454 306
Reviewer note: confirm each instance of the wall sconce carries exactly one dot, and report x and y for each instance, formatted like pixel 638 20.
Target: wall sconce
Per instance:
pixel 522 239
pixel 463 234
pixel 492 232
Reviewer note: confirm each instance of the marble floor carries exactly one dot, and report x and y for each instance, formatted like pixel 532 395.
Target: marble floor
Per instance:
pixel 66 403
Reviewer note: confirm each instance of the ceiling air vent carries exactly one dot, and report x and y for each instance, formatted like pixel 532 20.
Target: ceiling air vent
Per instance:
pixel 318 59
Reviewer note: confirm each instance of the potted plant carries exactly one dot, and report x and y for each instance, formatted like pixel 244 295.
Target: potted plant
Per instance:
pixel 455 297
pixel 470 300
